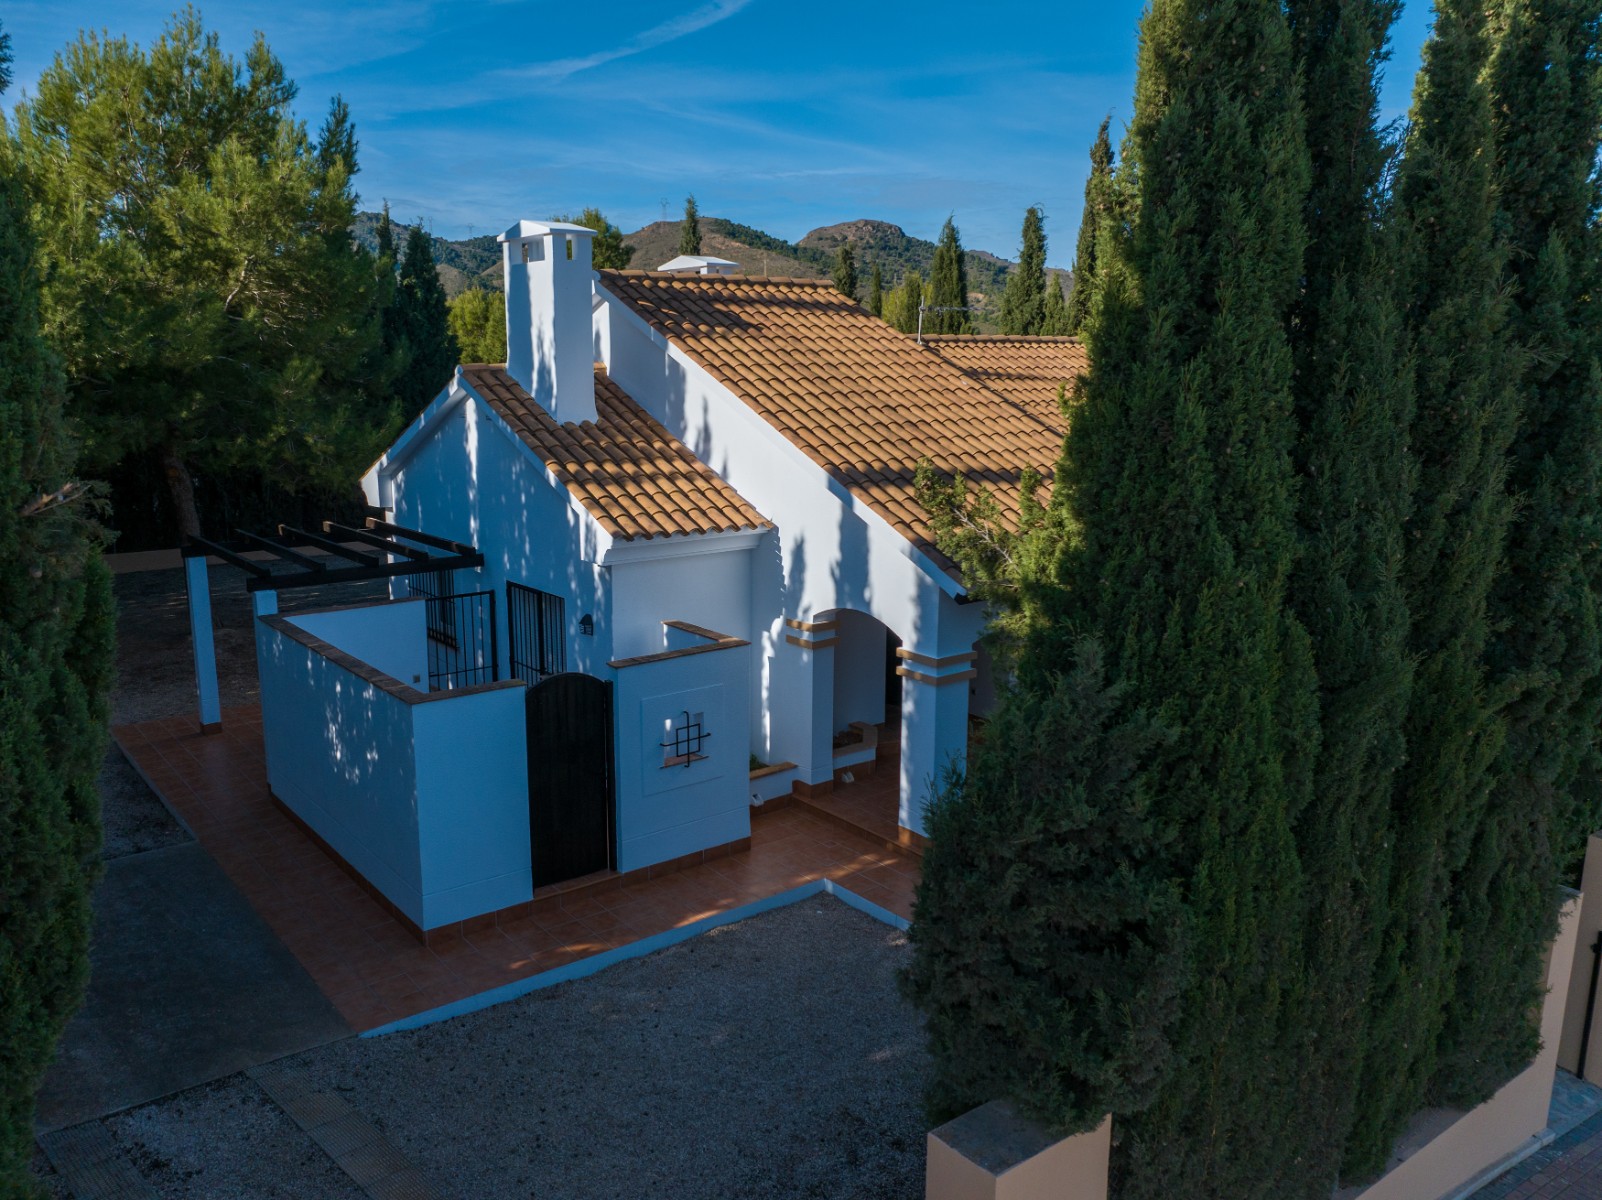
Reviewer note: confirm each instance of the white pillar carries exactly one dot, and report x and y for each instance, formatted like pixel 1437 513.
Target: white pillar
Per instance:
pixel 198 582
pixel 934 727
pixel 806 689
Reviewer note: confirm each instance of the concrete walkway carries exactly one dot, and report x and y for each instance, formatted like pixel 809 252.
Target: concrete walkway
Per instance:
pixel 187 984
pixel 1569 1169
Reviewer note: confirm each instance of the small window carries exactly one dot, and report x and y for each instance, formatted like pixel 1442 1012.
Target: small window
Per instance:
pixel 686 739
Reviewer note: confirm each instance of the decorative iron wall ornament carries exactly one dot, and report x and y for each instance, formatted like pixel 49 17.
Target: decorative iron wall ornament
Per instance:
pixel 686 739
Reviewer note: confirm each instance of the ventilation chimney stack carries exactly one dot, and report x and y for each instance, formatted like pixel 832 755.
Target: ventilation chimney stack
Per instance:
pixel 550 348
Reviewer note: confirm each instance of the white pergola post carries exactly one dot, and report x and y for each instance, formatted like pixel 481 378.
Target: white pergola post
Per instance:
pixel 808 654
pixel 198 581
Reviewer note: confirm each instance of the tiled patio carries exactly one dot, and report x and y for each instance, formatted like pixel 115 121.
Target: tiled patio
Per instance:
pixel 374 970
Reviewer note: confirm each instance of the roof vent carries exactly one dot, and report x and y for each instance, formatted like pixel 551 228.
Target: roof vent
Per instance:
pixel 699 264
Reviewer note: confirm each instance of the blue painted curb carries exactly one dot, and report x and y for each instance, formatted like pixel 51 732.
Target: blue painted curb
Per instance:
pixel 639 949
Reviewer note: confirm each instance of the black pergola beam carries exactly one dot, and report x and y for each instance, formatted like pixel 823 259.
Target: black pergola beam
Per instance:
pixel 415 535
pixel 287 582
pixel 284 552
pixel 330 545
pixel 232 558
pixel 372 539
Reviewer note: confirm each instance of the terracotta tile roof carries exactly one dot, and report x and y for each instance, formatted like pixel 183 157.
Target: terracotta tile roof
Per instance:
pixel 1026 370
pixel 631 475
pixel 862 401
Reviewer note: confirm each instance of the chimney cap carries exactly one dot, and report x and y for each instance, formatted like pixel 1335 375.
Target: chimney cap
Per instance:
pixel 526 229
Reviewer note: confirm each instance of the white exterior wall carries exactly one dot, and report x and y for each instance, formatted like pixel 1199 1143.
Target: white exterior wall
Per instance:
pixel 859 670
pixel 392 637
pixel 528 529
pixel 710 590
pixel 830 552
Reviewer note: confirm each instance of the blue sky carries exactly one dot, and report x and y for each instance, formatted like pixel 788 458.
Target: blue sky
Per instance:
pixel 780 114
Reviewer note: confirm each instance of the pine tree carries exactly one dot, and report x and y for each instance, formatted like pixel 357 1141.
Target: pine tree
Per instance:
pixel 1099 203
pixel 690 228
pixel 1545 113
pixel 1054 317
pixel 56 628
pixel 226 346
pixel 1353 406
pixel 845 271
pixel 948 285
pixel 1024 299
pixel 876 292
pixel 901 304
pixel 1178 480
pixel 477 320
pixel 432 352
pixel 1454 541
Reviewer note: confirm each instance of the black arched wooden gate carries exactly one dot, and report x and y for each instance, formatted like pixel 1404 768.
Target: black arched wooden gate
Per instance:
pixel 571 797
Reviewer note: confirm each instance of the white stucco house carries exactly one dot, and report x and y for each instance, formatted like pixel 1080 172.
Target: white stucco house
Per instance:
pixel 696 487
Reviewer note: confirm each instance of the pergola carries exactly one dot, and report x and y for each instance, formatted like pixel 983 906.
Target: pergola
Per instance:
pixel 379 550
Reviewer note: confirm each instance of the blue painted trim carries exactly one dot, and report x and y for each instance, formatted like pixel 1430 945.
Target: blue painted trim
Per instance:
pixel 649 945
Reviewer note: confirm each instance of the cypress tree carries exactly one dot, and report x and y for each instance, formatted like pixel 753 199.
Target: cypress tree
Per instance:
pixel 1178 480
pixel 1353 407
pixel 690 228
pixel 56 628
pixel 948 285
pixel 1054 317
pixel 386 238
pixel 901 304
pixel 1029 953
pixel 1454 539
pixel 845 271
pixel 876 292
pixel 423 321
pixel 1023 301
pixel 1545 115
pixel 1099 206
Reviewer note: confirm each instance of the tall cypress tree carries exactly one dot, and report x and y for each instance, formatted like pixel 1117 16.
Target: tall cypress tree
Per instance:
pixel 1023 302
pixel 423 322
pixel 948 285
pixel 690 228
pixel 1545 114
pixel 876 292
pixel 56 627
pixel 1464 416
pixel 1179 479
pixel 1054 317
pixel 1099 204
pixel 845 271
pixel 1353 407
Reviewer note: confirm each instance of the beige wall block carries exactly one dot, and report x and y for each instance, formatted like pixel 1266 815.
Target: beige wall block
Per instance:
pixel 993 1153
pixel 1464 1146
pixel 1590 924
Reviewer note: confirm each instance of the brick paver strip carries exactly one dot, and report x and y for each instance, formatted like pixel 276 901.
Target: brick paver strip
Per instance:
pixel 92 1165
pixel 347 1137
pixel 1569 1169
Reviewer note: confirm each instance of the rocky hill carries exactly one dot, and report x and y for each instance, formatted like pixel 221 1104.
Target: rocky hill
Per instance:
pixel 477 261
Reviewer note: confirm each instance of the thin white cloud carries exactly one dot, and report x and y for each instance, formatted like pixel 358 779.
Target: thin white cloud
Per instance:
pixel 659 35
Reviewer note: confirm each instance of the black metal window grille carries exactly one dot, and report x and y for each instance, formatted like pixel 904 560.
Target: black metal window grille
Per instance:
pixel 435 588
pixel 537 623
pixel 462 648
pixel 687 737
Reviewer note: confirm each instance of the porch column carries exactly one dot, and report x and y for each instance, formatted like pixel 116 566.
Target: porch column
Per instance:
pixel 934 727
pixel 809 702
pixel 198 583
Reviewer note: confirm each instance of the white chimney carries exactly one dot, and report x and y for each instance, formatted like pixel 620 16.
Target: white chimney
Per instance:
pixel 550 346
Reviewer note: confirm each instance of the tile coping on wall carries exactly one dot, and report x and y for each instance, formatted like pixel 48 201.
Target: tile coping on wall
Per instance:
pixel 403 692
pixel 715 641
pixel 583 967
pixel 772 769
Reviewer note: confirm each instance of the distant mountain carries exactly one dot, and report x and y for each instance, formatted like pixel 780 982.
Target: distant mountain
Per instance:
pixel 477 261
